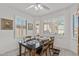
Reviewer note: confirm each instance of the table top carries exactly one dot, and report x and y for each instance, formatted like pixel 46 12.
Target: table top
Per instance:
pixel 31 44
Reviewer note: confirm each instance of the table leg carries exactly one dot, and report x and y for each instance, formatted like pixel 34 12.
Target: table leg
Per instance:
pixel 29 52
pixel 19 49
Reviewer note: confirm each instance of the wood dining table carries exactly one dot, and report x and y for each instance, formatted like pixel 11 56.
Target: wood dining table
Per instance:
pixel 33 45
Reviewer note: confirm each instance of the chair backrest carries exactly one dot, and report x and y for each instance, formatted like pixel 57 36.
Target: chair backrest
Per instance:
pixel 45 45
pixel 28 37
pixel 52 40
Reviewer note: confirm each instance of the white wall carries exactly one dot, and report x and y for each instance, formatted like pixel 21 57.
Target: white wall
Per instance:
pixel 7 41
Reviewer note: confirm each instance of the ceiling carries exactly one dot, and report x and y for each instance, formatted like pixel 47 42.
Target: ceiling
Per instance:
pixel 52 8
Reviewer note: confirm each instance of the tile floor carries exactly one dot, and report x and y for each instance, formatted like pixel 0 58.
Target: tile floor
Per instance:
pixel 63 52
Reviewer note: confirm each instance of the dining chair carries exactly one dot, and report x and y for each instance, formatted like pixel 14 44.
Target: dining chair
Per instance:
pixel 45 48
pixel 51 42
pixel 27 51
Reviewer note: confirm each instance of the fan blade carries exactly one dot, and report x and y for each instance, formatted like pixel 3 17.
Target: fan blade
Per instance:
pixel 44 6
pixel 30 6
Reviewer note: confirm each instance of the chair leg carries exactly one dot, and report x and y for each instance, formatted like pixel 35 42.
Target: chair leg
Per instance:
pixel 25 52
pixel 49 51
pixel 46 53
pixel 52 48
pixel 29 52
pixel 33 52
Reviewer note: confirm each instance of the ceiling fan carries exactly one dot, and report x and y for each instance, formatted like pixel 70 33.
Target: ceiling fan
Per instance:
pixel 38 6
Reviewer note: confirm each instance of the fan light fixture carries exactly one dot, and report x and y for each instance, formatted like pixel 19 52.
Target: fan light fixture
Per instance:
pixel 37 6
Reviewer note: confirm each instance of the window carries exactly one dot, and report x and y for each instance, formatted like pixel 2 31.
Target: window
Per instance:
pixel 20 28
pixel 47 28
pixel 54 26
pixel 37 29
pixel 61 26
pixel 75 26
